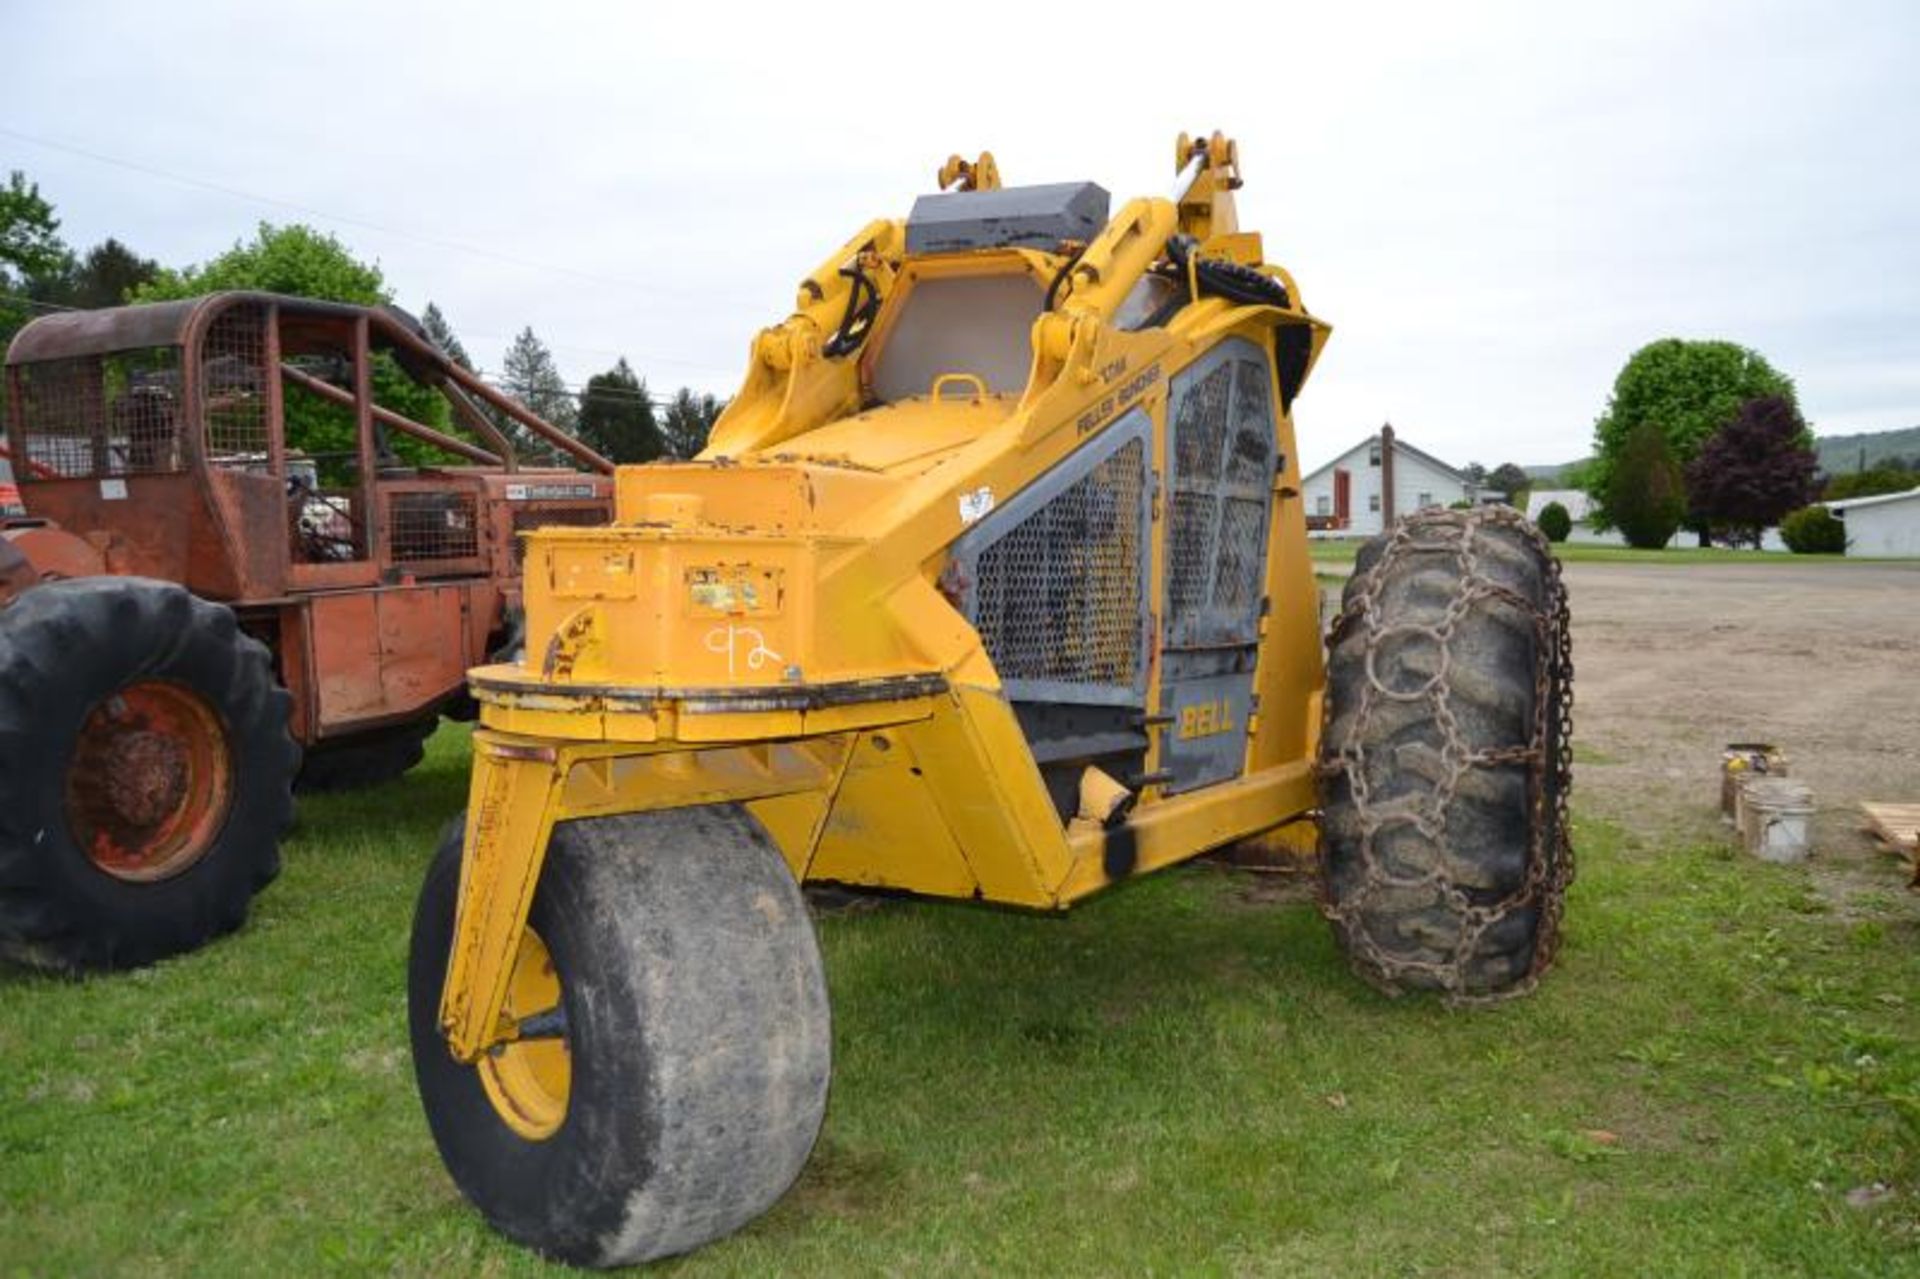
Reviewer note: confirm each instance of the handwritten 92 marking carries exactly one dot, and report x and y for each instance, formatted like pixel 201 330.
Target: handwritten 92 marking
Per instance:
pixel 726 639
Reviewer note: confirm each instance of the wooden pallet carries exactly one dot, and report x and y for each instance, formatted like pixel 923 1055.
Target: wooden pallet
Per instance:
pixel 1897 827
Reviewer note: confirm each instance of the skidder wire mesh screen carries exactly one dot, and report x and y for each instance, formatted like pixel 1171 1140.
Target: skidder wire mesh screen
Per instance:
pixel 233 387
pixel 1058 596
pixel 101 415
pixel 426 526
pixel 1223 464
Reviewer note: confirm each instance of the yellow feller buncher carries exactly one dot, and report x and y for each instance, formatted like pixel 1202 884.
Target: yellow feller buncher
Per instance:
pixel 993 585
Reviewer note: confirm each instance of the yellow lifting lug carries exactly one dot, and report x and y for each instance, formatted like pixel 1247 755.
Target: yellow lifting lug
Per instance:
pixel 1209 174
pixel 958 175
pixel 1216 152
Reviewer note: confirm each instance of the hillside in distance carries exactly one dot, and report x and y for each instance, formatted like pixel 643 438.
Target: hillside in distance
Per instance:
pixel 1838 454
pixel 1843 454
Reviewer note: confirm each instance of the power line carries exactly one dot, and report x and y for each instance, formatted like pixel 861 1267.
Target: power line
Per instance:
pixel 579 390
pixel 595 350
pixel 576 390
pixel 438 241
pixel 343 220
pixel 45 306
pixel 380 228
pixel 25 300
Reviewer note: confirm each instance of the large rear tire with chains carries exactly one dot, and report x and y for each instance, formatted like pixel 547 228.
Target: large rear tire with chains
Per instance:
pixel 1445 760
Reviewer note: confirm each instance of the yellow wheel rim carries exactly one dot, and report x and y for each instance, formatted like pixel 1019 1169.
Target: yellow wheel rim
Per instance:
pixel 528 1081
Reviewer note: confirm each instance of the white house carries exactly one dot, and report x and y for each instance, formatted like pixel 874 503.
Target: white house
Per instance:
pixel 1382 476
pixel 1884 525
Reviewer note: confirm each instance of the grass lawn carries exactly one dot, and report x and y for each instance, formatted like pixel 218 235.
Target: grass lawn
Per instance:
pixel 1342 551
pixel 1178 1077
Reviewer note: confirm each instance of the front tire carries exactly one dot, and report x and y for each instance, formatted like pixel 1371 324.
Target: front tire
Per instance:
pixel 1446 757
pixel 696 1040
pixel 147 769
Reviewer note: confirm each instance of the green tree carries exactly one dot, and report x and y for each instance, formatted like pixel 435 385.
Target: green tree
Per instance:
pixel 443 336
pixel 1685 389
pixel 293 259
pixel 1511 480
pixel 616 416
pixel 529 375
pixel 108 275
pixel 1884 478
pixel 1645 490
pixel 1751 472
pixel 688 421
pixel 31 251
pixel 302 262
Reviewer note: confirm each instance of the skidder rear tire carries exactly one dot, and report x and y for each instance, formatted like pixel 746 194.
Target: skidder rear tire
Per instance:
pixel 145 773
pixel 696 1040
pixel 366 759
pixel 1445 757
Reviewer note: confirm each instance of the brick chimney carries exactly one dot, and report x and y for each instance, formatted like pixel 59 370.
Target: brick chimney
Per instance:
pixel 1387 505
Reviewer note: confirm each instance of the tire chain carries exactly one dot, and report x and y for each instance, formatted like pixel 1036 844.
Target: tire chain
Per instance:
pixel 1550 850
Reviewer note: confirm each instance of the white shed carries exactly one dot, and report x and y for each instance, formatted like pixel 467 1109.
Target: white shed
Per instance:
pixel 1887 524
pixel 1357 493
pixel 1580 509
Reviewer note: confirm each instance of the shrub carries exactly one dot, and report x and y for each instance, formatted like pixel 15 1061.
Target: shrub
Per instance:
pixel 1814 530
pixel 1555 522
pixel 1645 496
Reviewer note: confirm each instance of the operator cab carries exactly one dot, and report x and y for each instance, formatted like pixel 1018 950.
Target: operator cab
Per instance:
pixel 943 336
pixel 981 267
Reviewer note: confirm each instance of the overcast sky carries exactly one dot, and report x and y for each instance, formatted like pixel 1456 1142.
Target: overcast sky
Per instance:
pixel 1493 204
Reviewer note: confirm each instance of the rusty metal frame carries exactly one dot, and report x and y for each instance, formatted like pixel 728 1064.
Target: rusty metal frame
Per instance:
pixel 363 437
pixel 222 530
pixel 276 394
pixel 185 323
pixel 419 430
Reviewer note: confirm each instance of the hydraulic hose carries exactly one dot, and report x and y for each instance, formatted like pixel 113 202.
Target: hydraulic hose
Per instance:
pixel 858 317
pixel 1230 280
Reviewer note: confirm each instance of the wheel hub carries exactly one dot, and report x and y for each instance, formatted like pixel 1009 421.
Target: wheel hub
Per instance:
pixel 529 1080
pixel 150 782
pixel 147 777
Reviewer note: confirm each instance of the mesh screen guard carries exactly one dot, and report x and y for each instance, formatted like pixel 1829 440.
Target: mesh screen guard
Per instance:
pixel 1056 578
pixel 96 416
pixel 1223 462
